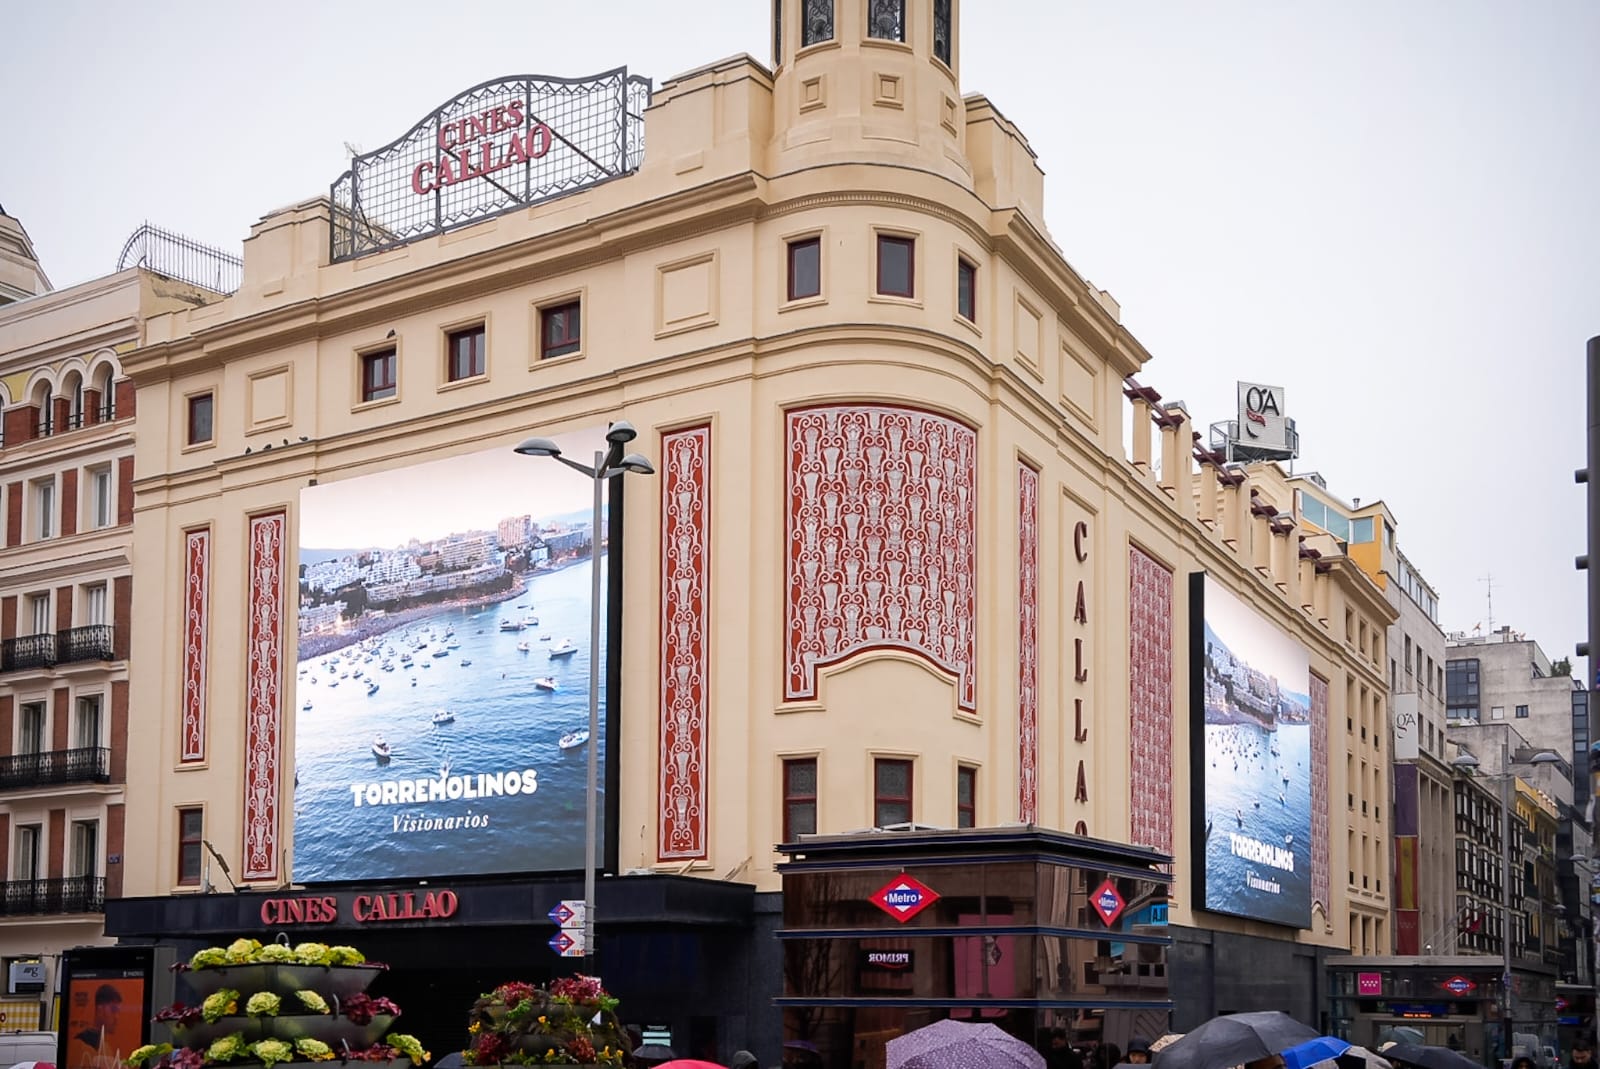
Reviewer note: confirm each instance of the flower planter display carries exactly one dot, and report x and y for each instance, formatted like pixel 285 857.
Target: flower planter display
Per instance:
pixel 572 1022
pixel 277 1005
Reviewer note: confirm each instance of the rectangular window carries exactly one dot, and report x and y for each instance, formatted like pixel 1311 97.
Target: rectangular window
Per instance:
pixel 799 798
pixel 1497 712
pixel 466 348
pixel 891 792
pixel 86 732
pixel 39 614
pixel 966 797
pixel 805 268
pixel 200 412
pixel 377 375
pixel 967 291
pixel 25 866
pixel 30 728
pixel 44 503
pixel 1522 712
pixel 191 829
pixel 94 604
pixel 85 848
pixel 816 22
pixel 895 266
pixel 777 34
pixel 560 329
pixel 941 31
pixel 100 494
pixel 886 20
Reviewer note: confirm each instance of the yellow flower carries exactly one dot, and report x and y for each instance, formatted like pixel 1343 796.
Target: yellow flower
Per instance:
pixel 542 1020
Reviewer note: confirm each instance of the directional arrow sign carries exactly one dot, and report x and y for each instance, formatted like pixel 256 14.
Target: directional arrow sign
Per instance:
pixel 575 910
pixel 569 944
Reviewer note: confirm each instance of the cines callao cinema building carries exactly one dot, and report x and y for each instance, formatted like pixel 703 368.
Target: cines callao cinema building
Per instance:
pixel 894 568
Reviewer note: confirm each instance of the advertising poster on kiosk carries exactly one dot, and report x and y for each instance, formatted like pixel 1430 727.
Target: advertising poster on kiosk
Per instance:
pixel 1251 724
pixel 442 685
pixel 105 1004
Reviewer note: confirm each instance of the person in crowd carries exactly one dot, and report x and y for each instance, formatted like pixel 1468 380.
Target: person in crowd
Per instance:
pixel 1522 1061
pixel 1138 1052
pixel 742 1059
pixel 1058 1053
pixel 1582 1056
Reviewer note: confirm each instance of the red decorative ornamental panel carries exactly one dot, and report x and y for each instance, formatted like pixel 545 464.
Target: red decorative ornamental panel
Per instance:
pixel 196 605
pixel 882 533
pixel 263 697
pixel 685 634
pixel 1028 644
pixel 1319 791
pixel 1150 699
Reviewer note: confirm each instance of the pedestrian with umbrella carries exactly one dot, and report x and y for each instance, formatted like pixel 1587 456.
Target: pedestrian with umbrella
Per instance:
pixel 1424 1057
pixel 950 1044
pixel 1253 1040
pixel 653 1055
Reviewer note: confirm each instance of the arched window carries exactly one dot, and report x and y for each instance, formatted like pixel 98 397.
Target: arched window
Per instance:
pixel 108 399
pixel 73 388
pixel 46 412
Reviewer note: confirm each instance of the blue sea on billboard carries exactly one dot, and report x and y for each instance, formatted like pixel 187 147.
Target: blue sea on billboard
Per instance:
pixel 452 728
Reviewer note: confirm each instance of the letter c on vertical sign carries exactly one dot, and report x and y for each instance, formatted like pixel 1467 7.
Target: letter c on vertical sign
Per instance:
pixel 1080 531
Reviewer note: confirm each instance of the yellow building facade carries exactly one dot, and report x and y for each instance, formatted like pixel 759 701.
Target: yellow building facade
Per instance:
pixel 896 564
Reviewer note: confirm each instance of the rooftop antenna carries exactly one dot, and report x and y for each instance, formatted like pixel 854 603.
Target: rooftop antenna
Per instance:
pixel 1488 584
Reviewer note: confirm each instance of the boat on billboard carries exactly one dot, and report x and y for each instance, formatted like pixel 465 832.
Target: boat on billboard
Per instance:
pixel 1251 685
pixel 442 683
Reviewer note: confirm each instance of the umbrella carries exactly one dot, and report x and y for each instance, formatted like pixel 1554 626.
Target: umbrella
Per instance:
pixel 802 1044
pixel 1164 1042
pixel 1321 1049
pixel 654 1053
pixel 1235 1040
pixel 1429 1057
pixel 1402 1033
pixel 951 1044
pixel 34 1065
pixel 1354 1058
pixel 688 1063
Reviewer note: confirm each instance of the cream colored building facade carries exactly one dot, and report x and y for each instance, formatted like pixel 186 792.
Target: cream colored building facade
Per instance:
pixel 1052 684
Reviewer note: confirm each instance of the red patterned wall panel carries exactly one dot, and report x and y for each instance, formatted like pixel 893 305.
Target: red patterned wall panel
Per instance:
pixel 1028 644
pixel 685 633
pixel 882 530
pixel 1319 791
pixel 1150 699
pixel 263 697
pixel 196 605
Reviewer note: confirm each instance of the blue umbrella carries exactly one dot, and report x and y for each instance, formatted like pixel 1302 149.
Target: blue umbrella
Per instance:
pixel 1321 1049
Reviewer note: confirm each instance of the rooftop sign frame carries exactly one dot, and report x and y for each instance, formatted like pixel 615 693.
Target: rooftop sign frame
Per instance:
pixel 499 146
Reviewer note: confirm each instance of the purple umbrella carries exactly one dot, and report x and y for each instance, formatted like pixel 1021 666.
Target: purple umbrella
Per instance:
pixel 955 1045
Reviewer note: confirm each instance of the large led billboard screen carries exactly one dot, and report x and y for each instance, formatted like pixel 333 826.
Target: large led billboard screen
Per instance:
pixel 1251 746
pixel 442 684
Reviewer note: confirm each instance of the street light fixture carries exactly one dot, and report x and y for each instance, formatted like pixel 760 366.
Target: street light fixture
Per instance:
pixel 607 465
pixel 1467 763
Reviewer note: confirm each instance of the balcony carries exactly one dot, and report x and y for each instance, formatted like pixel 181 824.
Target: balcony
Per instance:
pixel 27 651
pixel 75 894
pixel 93 642
pixel 87 764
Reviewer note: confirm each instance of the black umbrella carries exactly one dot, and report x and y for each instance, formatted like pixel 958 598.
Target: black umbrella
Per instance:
pixel 1429 1057
pixel 1235 1040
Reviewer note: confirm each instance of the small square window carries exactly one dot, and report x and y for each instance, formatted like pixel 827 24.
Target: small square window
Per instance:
pixel 891 790
pixel 560 329
pixel 1522 712
pixel 191 830
pixel 378 375
pixel 805 268
pixel 967 290
pixel 200 412
pixel 466 353
pixel 896 267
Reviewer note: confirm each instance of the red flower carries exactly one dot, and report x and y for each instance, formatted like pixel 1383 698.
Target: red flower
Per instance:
pixel 513 992
pixel 582 1050
pixel 489 1049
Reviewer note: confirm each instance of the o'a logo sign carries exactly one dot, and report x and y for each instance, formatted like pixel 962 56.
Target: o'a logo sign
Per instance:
pixel 1262 422
pixel 497 147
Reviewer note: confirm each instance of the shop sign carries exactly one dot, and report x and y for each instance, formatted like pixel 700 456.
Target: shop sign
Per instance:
pixel 887 960
pixel 308 910
pixel 1459 985
pixel 1369 983
pixel 1108 903
pixel 904 897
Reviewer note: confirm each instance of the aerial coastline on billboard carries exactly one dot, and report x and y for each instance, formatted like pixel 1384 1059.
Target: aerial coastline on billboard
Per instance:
pixel 441 689
pixel 1254 786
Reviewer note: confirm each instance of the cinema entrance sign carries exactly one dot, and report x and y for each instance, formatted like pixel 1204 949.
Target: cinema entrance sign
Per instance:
pixel 495 148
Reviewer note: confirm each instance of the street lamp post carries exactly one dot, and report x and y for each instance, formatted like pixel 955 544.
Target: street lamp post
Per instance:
pixel 608 464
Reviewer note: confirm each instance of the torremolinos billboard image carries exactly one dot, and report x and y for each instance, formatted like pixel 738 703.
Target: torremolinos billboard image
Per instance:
pixel 441 689
pixel 1251 722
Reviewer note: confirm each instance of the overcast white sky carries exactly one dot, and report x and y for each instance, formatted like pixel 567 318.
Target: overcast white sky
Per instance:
pixel 1390 209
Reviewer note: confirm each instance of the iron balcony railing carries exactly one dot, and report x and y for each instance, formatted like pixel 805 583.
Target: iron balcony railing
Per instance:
pixel 92 642
pixel 86 764
pixel 75 894
pixel 28 651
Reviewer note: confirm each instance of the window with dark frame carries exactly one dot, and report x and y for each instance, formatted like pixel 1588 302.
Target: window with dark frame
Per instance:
pixel 891 792
pixel 805 268
pixel 378 375
pixel 466 349
pixel 191 830
pixel 816 22
pixel 777 33
pixel 967 290
pixel 941 31
pixel 200 412
pixel 896 270
pixel 966 797
pixel 560 329
pixel 799 797
pixel 886 20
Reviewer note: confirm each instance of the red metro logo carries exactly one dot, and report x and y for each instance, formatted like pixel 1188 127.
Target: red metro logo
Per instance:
pixel 1108 903
pixel 1459 985
pixel 904 897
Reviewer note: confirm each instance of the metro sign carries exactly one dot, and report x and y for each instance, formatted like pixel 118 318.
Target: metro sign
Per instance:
pixel 904 897
pixel 1459 985
pixel 1108 903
